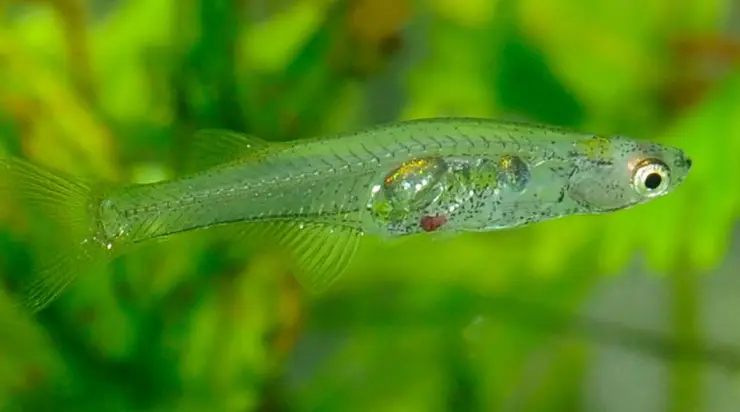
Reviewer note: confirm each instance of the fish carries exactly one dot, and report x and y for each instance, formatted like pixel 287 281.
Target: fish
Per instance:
pixel 316 198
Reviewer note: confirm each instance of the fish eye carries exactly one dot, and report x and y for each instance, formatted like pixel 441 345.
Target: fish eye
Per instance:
pixel 651 177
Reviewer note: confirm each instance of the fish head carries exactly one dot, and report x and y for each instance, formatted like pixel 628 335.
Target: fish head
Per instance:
pixel 622 172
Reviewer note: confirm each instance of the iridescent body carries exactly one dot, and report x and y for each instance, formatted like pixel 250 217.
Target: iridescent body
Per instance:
pixel 315 197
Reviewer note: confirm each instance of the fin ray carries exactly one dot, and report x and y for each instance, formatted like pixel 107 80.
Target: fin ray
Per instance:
pixel 212 147
pixel 60 228
pixel 319 253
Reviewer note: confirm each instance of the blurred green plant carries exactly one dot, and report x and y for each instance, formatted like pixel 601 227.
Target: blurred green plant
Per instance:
pixel 193 324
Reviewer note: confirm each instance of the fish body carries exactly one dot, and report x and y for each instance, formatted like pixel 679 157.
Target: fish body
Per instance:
pixel 316 197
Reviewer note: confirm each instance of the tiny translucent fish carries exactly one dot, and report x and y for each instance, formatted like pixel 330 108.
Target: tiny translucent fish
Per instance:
pixel 315 198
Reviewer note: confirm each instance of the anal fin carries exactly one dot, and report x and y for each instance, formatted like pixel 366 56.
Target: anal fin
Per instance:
pixel 318 253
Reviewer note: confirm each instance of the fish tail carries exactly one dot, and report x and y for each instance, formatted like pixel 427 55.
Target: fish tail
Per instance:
pixel 61 226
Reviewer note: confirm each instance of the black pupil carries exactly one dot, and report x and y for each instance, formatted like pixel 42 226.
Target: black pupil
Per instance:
pixel 652 181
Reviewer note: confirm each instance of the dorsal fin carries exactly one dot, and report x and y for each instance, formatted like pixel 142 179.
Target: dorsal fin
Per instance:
pixel 212 147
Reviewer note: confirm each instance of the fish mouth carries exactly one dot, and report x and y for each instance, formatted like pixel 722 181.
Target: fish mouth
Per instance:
pixel 612 209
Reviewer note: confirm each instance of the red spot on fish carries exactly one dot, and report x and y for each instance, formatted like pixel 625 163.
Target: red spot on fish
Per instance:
pixel 432 223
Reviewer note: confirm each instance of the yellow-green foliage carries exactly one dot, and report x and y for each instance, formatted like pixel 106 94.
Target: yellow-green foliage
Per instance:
pixel 194 325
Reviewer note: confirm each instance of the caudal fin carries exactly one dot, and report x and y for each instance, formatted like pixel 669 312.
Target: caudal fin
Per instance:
pixel 61 227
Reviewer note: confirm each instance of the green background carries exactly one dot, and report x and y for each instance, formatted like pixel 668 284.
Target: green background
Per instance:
pixel 115 90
